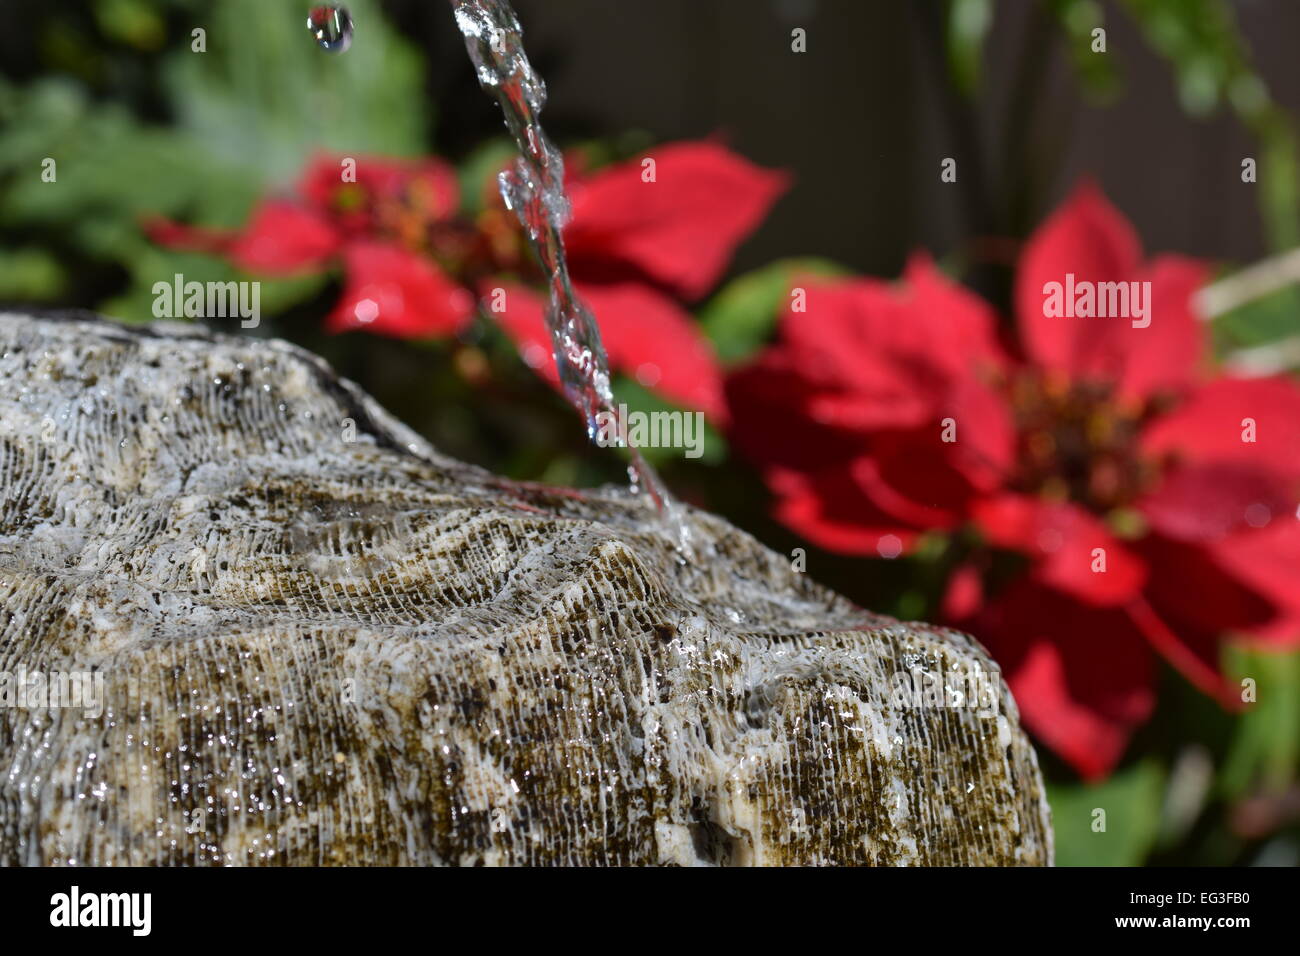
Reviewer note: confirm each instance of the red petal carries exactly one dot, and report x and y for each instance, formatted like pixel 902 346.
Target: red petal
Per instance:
pixel 1062 540
pixel 885 356
pixel 1081 675
pixel 649 337
pixel 1165 355
pixel 1204 501
pixel 983 432
pixel 771 420
pixel 858 391
pixel 1089 239
pixel 937 504
pixel 645 335
pixel 283 238
pixel 1211 424
pixel 963 595
pixel 523 318
pixel 279 238
pixel 1190 601
pixel 829 509
pixel 912 478
pixel 681 229
pixel 955 328
pixel 178 235
pixel 394 292
pixel 924 479
pixel 1268 562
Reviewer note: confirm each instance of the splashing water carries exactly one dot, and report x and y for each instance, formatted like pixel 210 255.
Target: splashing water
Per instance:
pixel 331 25
pixel 534 190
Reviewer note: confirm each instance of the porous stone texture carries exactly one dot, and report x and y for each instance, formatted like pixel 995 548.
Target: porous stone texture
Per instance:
pixel 322 642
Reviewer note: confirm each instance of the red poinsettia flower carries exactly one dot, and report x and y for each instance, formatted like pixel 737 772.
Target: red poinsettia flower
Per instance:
pixel 1152 507
pixel 643 238
pixel 387 222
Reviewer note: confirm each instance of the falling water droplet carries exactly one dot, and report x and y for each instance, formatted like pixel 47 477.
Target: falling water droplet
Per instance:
pixel 331 25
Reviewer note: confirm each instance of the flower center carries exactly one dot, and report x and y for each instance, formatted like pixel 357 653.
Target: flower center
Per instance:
pixel 1077 444
pixel 410 216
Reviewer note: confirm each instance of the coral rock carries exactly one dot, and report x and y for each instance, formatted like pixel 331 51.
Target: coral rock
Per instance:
pixel 303 636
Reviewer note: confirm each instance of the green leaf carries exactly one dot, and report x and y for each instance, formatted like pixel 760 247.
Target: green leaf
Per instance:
pixel 34 117
pixel 740 318
pixel 477 174
pixel 30 275
pixel 135 23
pixel 1260 321
pixel 249 112
pixel 1131 801
pixel 152 264
pixel 1266 749
pixel 1280 186
pixel 108 171
pixel 1210 57
pixel 968 27
pixel 637 398
pixel 1098 72
pixel 122 172
pixel 264 96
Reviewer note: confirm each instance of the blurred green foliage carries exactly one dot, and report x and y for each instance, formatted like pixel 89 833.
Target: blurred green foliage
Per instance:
pixel 1114 823
pixel 740 318
pixel 241 117
pixel 1200 39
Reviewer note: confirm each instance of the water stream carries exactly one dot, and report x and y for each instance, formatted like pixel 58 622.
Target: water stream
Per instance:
pixel 533 189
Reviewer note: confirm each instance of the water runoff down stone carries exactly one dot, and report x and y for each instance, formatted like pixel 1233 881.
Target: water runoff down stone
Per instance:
pixel 258 621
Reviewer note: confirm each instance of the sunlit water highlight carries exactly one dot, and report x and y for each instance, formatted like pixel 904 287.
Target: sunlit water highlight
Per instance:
pixel 533 189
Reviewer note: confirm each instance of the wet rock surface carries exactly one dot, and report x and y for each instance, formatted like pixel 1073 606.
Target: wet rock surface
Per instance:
pixel 319 641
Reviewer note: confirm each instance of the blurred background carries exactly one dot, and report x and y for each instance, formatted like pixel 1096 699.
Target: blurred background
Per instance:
pixel 143 126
